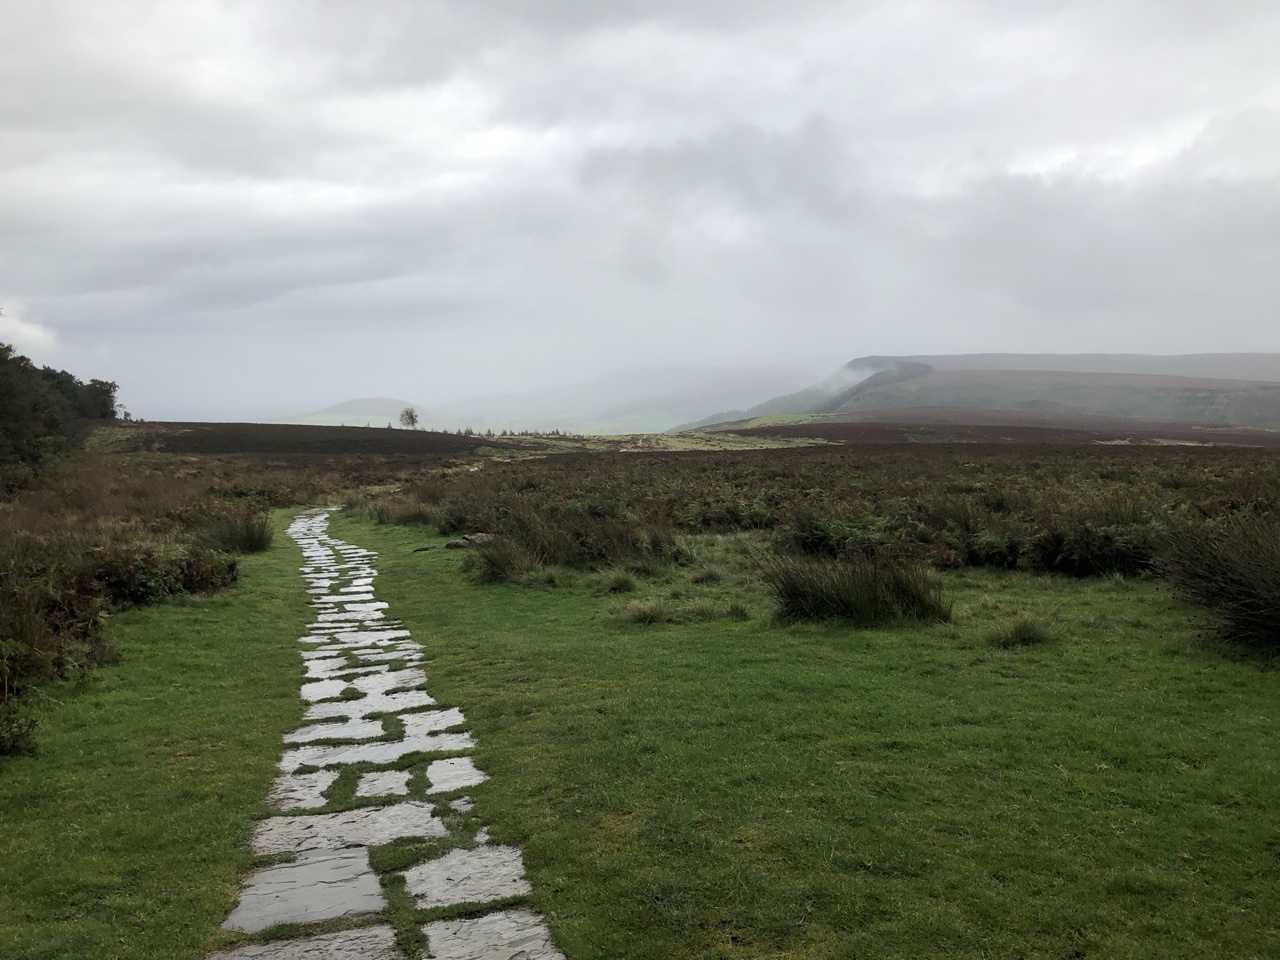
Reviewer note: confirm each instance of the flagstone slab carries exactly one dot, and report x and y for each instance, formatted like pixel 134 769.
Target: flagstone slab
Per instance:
pixel 368 706
pixel 393 680
pixel 481 875
pixel 351 730
pixel 319 885
pixel 453 774
pixel 323 690
pixel 384 783
pixel 505 935
pixel 433 721
pixel 365 827
pixel 377 753
pixel 301 791
pixel 369 943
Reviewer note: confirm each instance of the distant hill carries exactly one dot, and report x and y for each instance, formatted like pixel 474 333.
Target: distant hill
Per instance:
pixel 1241 390
pixel 369 411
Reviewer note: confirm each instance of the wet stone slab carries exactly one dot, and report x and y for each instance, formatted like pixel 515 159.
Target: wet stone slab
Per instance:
pixel 370 943
pixel 322 690
pixel 433 721
pixel 481 875
pixel 301 791
pixel 351 730
pixel 351 828
pixel 384 783
pixel 319 885
pixel 453 774
pixel 379 753
pixel 368 706
pixel 392 680
pixel 505 935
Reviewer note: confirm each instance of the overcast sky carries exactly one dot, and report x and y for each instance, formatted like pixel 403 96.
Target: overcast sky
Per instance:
pixel 249 209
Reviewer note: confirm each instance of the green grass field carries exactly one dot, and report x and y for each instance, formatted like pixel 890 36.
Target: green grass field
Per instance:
pixel 128 835
pixel 738 788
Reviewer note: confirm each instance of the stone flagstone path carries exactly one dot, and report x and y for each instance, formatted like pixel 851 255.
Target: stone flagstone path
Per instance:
pixel 350 686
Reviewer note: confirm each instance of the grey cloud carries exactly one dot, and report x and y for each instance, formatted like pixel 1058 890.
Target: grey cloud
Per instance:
pixel 393 189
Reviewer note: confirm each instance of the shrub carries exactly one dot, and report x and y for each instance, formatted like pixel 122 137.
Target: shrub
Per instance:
pixel 1232 567
pixel 206 571
pixel 860 591
pixel 1023 630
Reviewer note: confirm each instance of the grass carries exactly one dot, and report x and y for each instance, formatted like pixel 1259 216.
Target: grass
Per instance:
pixel 126 837
pixel 742 788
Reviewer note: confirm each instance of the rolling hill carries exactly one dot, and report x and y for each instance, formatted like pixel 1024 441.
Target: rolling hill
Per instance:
pixel 1221 390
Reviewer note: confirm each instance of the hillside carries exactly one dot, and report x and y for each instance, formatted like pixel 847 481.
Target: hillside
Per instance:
pixel 994 388
pixel 366 412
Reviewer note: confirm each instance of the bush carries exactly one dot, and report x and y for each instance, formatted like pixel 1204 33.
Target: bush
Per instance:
pixel 1232 567
pixel 863 592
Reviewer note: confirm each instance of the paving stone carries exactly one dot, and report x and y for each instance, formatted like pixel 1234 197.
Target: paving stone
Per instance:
pixel 323 690
pixel 481 875
pixel 363 617
pixel 361 606
pixel 505 935
pixel 394 680
pixel 384 783
pixel 366 827
pixel 351 730
pixel 433 721
pixel 321 669
pixel 347 598
pixel 379 753
pixel 482 836
pixel 462 805
pixel 319 885
pixel 370 943
pixel 301 791
pixel 409 656
pixel 453 774
pixel 367 706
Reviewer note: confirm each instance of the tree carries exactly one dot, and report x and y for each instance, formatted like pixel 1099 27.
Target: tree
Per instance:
pixel 409 418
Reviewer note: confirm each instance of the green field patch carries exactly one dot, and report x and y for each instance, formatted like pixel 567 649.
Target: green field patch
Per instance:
pixel 734 786
pixel 127 836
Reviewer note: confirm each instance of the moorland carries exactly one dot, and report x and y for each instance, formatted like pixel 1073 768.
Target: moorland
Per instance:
pixel 740 694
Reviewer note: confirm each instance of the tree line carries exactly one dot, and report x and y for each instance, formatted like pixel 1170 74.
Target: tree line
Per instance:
pixel 42 408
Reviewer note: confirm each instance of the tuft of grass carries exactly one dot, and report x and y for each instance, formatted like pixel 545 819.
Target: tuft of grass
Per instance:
pixel 617 581
pixel 706 575
pixel 1023 630
pixel 244 531
pixel 859 591
pixel 645 611
pixel 502 560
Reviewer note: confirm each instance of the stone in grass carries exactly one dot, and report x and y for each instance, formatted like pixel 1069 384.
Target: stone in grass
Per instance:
pixel 453 774
pixel 505 935
pixel 351 730
pixel 386 682
pixel 366 827
pixel 462 805
pixel 433 721
pixel 368 706
pixel 319 885
pixel 481 875
pixel 322 690
pixel 371 943
pixel 301 791
pixel 384 783
pixel 380 753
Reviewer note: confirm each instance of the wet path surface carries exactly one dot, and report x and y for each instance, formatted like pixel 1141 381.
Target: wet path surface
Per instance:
pixel 368 709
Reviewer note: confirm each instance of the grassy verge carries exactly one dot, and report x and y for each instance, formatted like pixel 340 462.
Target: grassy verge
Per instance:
pixel 723 787
pixel 127 835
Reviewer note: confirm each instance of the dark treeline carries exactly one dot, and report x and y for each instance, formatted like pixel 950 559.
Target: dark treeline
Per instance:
pixel 40 411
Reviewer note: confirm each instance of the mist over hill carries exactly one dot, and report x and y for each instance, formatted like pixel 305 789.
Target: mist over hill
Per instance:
pixel 1218 389
pixel 640 400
